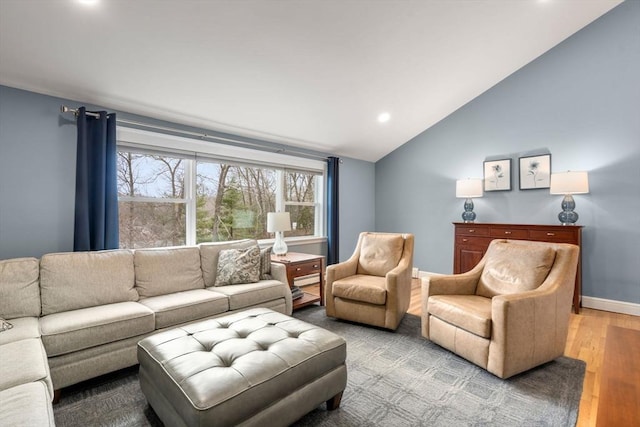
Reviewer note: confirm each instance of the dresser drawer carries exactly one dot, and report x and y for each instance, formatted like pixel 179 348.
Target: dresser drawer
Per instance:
pixel 472 231
pixel 473 241
pixel 509 233
pixel 307 268
pixel 554 236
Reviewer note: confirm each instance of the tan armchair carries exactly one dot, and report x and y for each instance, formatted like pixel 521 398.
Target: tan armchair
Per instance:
pixel 508 314
pixel 374 285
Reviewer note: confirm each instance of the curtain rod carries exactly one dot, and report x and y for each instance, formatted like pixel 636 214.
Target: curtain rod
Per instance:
pixel 200 135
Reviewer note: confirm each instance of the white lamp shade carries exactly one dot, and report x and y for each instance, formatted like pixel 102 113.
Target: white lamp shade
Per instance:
pixel 278 221
pixel 468 188
pixel 569 183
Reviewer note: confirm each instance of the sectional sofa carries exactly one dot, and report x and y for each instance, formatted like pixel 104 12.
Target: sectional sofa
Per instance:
pixel 78 315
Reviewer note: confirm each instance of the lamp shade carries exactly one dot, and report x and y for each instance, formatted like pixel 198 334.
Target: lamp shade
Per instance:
pixel 278 221
pixel 468 188
pixel 569 183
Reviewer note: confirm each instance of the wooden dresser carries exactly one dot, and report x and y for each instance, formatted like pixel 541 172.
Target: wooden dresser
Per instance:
pixel 472 240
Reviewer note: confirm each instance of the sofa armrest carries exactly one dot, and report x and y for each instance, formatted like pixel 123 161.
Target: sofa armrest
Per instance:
pixel 279 273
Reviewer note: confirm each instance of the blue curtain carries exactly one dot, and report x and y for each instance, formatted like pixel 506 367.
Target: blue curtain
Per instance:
pixel 96 214
pixel 332 210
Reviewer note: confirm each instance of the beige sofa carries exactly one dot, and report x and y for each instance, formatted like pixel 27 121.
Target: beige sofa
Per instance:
pixel 79 315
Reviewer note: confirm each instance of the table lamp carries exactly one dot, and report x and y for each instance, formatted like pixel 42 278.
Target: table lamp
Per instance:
pixel 568 183
pixel 279 222
pixel 467 189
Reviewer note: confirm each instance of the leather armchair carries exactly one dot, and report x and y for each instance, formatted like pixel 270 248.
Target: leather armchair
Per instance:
pixel 374 285
pixel 508 314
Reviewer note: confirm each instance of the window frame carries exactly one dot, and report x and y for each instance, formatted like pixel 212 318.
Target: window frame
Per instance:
pixel 155 143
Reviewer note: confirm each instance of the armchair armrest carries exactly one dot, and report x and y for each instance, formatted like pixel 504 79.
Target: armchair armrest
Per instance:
pixel 528 329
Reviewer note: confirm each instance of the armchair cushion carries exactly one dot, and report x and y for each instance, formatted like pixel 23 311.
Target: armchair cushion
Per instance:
pixel 362 288
pixel 469 312
pixel 512 268
pixel 379 253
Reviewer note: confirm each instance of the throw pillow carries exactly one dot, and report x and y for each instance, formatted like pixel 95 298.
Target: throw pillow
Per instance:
pixel 265 263
pixel 4 325
pixel 237 266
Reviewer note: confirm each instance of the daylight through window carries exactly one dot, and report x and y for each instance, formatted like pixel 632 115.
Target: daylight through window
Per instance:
pixel 177 198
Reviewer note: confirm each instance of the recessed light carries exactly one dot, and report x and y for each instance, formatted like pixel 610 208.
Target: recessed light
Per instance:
pixel 89 2
pixel 384 117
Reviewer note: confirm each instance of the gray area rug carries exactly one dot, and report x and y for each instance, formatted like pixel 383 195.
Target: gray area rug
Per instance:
pixel 394 379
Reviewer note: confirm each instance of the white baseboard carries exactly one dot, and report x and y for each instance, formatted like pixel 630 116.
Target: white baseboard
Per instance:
pixel 614 306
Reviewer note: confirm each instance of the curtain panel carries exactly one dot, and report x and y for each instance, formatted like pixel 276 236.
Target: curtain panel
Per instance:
pixel 96 210
pixel 333 164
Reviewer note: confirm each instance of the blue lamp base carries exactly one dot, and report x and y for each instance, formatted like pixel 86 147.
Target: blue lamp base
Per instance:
pixel 568 216
pixel 468 215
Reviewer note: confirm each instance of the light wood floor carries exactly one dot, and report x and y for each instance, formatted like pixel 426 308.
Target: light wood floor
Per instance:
pixel 587 335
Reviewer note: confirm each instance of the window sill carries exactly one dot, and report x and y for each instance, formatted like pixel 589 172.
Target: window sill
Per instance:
pixel 303 240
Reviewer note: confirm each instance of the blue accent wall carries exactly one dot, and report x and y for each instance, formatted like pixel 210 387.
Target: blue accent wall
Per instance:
pixel 580 102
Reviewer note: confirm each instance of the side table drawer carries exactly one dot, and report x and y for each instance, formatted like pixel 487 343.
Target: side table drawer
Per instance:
pixel 307 268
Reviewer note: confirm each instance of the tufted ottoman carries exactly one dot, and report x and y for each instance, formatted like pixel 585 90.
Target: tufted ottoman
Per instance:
pixel 256 367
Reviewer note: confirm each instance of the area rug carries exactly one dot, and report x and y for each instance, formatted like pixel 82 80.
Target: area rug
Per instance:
pixel 394 379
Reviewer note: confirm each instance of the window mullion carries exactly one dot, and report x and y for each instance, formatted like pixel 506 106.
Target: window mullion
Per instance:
pixel 190 196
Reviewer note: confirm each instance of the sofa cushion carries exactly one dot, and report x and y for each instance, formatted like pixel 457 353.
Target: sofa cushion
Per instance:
pixel 469 312
pixel 379 253
pixel 363 288
pixel 23 328
pixel 166 270
pixel 4 325
pixel 180 307
pixel 26 405
pixel 19 288
pixel 88 327
pixel 250 294
pixel 238 266
pixel 209 256
pixel 265 263
pixel 75 280
pixel 514 268
pixel 22 362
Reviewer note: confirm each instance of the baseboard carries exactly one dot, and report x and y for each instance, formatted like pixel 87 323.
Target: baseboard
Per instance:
pixel 422 274
pixel 614 306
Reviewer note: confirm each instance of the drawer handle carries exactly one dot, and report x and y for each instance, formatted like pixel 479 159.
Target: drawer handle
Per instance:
pixel 551 234
pixel 507 232
pixel 315 265
pixel 298 269
pixel 465 240
pixel 471 230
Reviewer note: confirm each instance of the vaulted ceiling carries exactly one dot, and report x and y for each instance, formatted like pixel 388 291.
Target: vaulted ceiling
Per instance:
pixel 311 73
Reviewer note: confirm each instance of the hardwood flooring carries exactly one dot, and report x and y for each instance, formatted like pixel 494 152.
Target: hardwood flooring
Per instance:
pixel 586 341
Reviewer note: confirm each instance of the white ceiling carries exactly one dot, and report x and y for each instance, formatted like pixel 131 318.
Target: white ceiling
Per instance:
pixel 312 74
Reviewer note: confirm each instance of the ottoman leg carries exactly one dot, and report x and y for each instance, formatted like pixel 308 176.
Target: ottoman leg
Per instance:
pixel 334 402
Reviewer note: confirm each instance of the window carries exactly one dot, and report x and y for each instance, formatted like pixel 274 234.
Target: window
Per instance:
pixel 168 196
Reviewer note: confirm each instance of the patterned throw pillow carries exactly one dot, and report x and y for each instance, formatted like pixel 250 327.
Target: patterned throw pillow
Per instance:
pixel 4 325
pixel 265 263
pixel 237 266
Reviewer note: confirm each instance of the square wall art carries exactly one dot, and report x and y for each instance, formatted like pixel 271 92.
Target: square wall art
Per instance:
pixel 535 172
pixel 497 175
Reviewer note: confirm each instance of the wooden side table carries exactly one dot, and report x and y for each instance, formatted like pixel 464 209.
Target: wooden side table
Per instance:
pixel 298 265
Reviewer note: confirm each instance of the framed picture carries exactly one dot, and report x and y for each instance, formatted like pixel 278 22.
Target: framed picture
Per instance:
pixel 497 175
pixel 535 172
